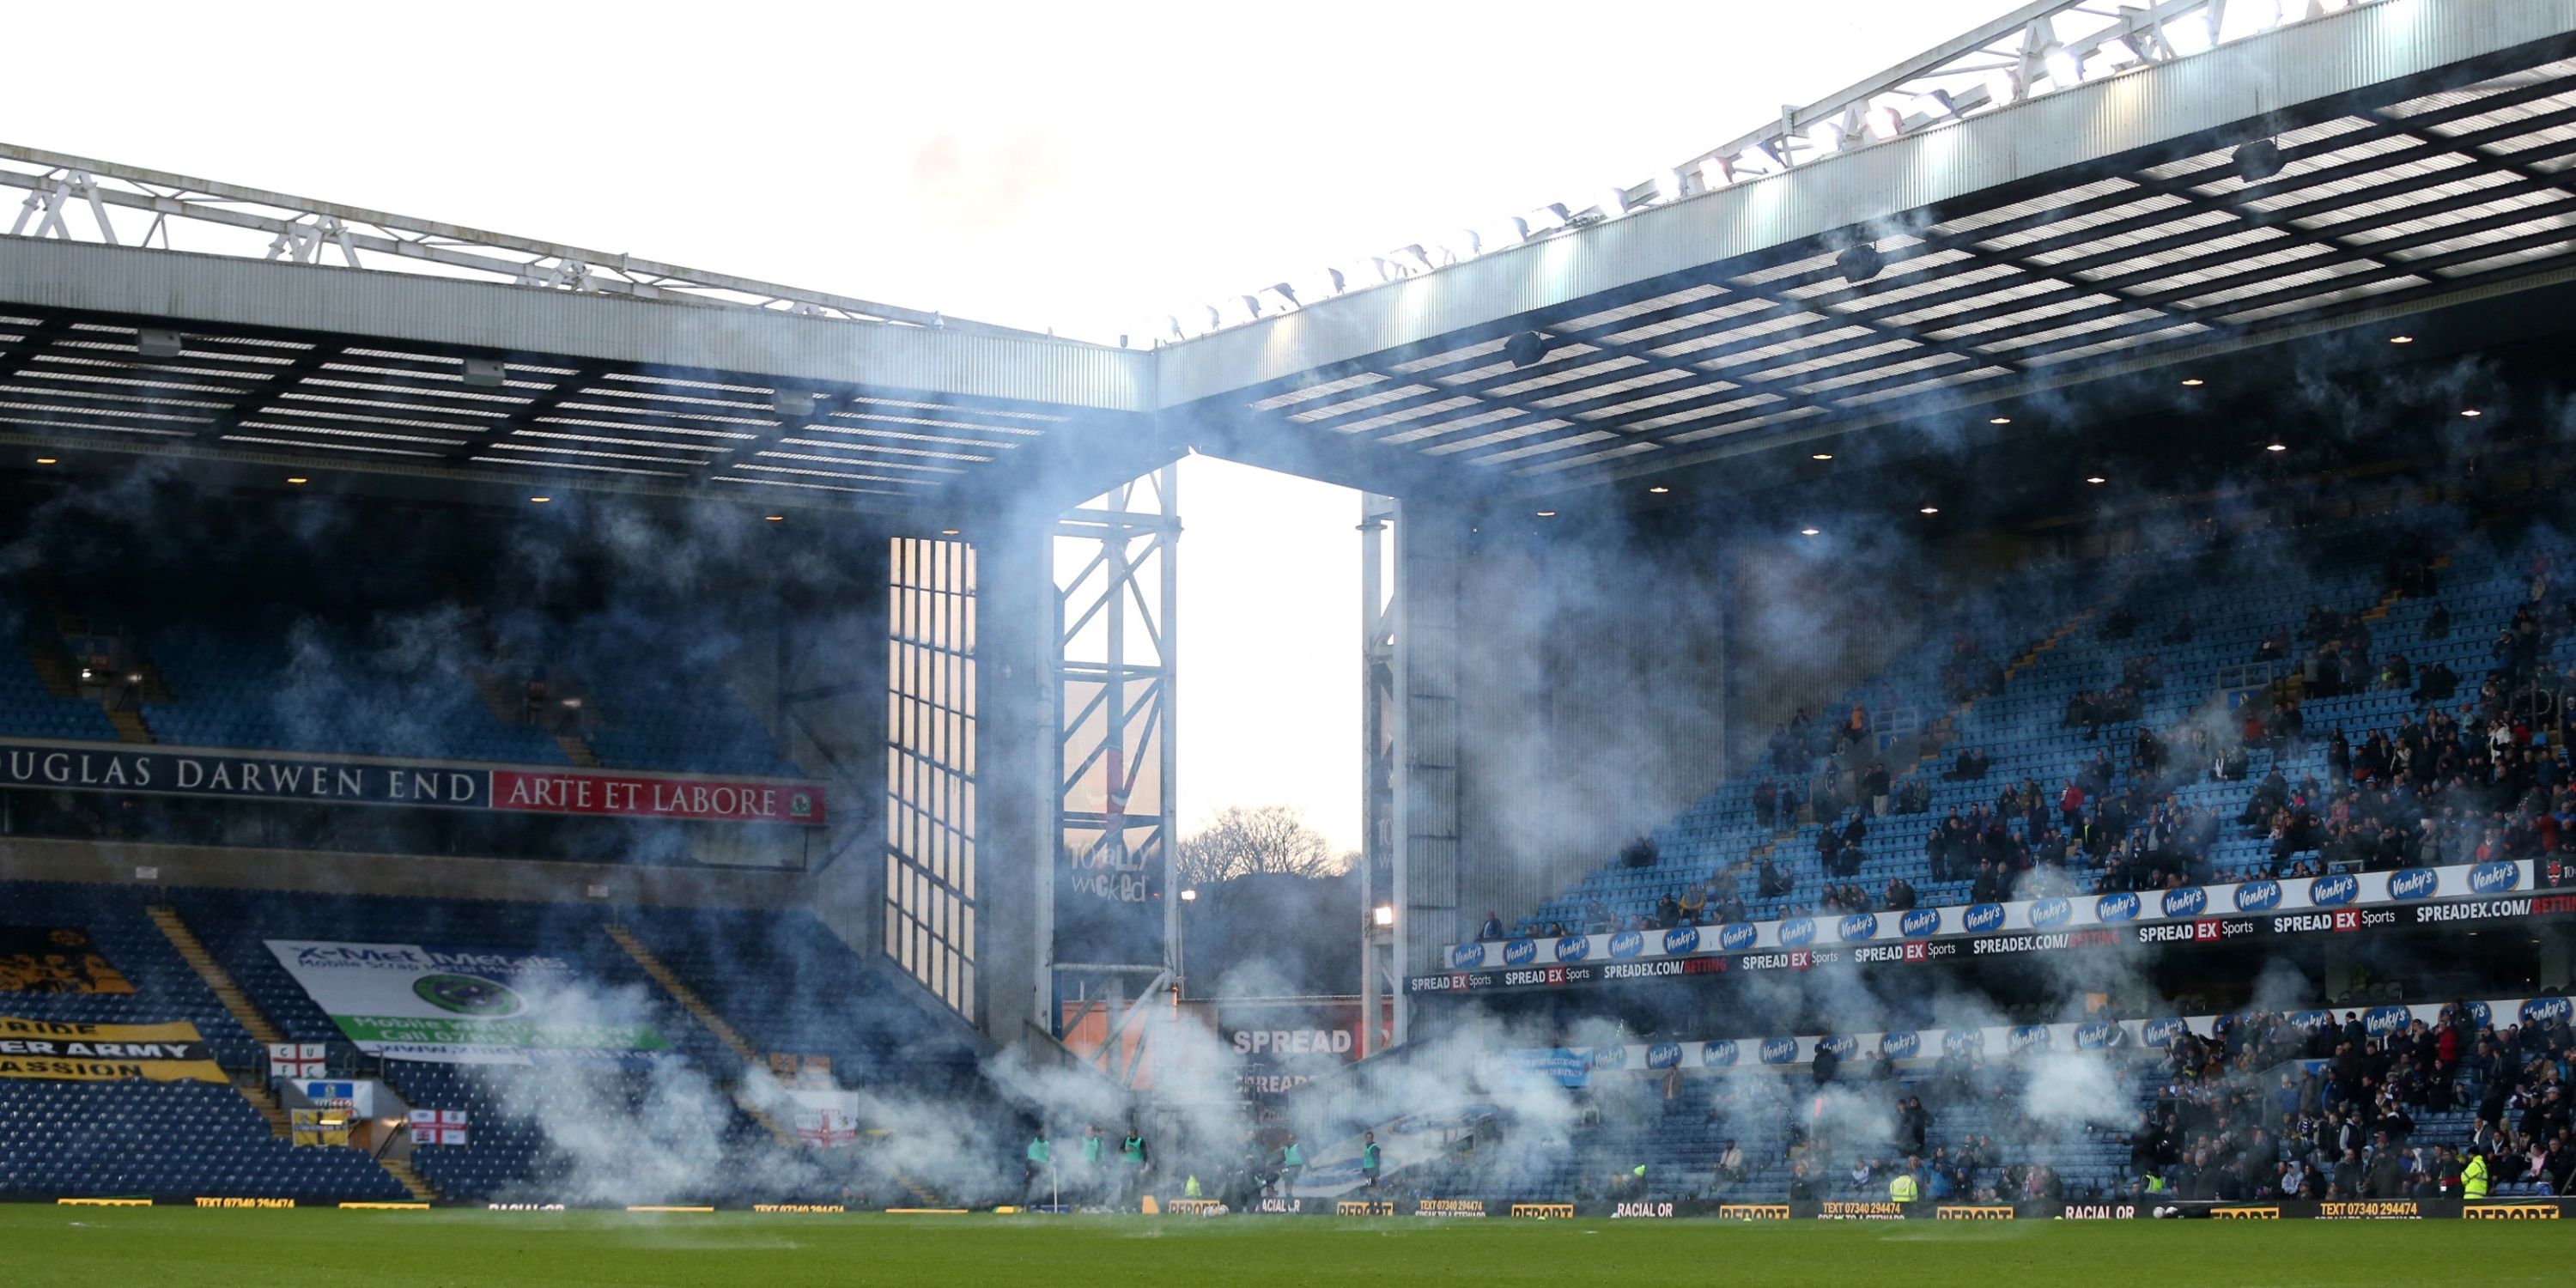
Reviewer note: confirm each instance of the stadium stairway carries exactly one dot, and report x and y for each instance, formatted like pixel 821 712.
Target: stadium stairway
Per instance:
pixel 402 1170
pixel 220 982
pixel 697 1007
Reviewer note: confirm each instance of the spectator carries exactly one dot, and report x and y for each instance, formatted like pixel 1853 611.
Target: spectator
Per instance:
pixel 1493 927
pixel 1771 883
pixel 2437 624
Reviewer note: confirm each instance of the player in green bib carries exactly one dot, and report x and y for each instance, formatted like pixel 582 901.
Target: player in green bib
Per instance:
pixel 1131 1161
pixel 1095 1150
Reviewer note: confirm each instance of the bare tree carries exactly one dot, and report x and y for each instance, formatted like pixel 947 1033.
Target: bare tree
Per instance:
pixel 1248 841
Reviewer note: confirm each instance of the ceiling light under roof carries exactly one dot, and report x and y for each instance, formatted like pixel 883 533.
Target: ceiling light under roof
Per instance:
pixel 2472 413
pixel 1821 456
pixel 539 500
pixel 1931 509
pixel 2095 479
pixel 2401 339
pixel 297 479
pixel 2276 447
pixel 1547 514
pixel 1810 532
pixel 1999 420
pixel 1659 489
pixel 2193 382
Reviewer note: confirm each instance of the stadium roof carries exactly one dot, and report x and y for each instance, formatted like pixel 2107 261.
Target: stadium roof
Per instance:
pixel 2023 242
pixel 2424 154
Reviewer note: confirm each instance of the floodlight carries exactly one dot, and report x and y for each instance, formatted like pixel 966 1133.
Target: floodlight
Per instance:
pixel 2063 69
pixel 1525 349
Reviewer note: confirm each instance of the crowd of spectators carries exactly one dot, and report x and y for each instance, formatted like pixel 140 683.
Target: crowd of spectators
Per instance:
pixel 2269 1109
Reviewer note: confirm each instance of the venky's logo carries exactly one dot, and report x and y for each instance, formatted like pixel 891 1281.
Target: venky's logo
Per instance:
pixel 1797 932
pixel 1573 948
pixel 2116 907
pixel 2334 891
pixel 2415 883
pixel 1919 922
pixel 2049 912
pixel 468 995
pixel 1983 917
pixel 1858 927
pixel 2494 878
pixel 2258 896
pixel 2185 902
pixel 1520 952
pixel 1682 939
pixel 2541 1010
pixel 1735 937
pixel 1626 944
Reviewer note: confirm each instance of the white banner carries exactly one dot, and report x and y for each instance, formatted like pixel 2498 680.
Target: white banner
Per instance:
pixel 2335 891
pixel 357 1095
pixel 295 1060
pixel 1573 1066
pixel 826 1119
pixel 454 1006
pixel 438 1127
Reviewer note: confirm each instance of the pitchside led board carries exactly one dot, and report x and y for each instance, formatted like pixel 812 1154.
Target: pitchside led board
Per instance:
pixel 460 1006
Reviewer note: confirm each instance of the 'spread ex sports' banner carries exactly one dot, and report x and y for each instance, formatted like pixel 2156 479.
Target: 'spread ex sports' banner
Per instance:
pixel 456 1006
pixel 352 781
pixel 105 1052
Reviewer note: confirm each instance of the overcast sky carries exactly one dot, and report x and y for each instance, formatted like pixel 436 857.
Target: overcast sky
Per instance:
pixel 1082 167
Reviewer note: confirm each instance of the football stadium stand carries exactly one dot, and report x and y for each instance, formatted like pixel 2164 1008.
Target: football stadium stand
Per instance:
pixel 2158 653
pixel 383 659
pixel 747 983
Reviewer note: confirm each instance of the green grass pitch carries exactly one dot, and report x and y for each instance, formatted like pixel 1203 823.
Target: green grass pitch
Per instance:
pixel 42 1247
